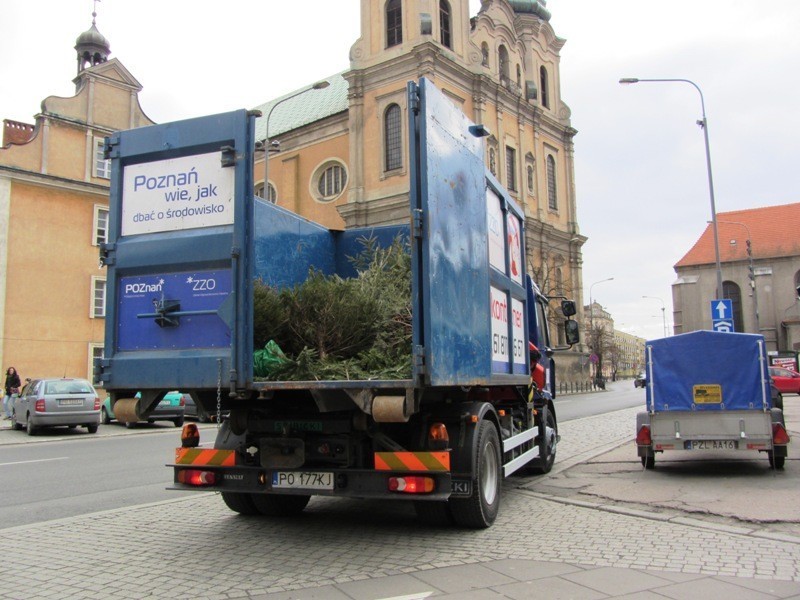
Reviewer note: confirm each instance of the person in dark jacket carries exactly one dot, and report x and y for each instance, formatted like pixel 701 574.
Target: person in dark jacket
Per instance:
pixel 11 389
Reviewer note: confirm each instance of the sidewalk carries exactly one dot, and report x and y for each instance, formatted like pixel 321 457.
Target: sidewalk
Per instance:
pixel 541 546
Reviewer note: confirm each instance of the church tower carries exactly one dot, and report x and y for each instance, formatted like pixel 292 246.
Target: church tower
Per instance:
pixel 92 47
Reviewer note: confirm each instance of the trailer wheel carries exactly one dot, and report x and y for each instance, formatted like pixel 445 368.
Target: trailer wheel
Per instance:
pixel 649 462
pixel 776 462
pixel 279 506
pixel 480 509
pixel 545 464
pixel 437 514
pixel 240 503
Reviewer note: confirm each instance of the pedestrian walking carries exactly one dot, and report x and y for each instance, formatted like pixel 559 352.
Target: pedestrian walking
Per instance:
pixel 11 391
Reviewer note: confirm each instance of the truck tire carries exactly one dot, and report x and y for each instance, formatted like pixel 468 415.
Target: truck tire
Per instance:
pixel 279 506
pixel 544 464
pixel 436 514
pixel 480 509
pixel 240 503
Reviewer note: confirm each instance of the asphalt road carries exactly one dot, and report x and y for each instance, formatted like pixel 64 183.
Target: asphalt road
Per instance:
pixel 65 473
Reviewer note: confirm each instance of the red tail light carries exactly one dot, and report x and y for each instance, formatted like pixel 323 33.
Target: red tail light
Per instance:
pixel 779 435
pixel 411 484
pixel 39 406
pixel 96 403
pixel 183 400
pixel 197 477
pixel 643 437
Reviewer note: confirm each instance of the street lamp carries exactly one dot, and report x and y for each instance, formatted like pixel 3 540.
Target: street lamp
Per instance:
pixel 663 312
pixel 591 310
pixel 704 125
pixel 320 85
pixel 751 268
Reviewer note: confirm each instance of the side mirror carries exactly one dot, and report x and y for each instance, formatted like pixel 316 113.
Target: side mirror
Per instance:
pixel 572 332
pixel 568 308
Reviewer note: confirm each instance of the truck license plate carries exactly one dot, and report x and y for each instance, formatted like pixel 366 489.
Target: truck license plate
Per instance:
pixel 302 480
pixel 712 445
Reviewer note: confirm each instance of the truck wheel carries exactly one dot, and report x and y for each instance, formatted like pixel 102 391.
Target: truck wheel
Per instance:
pixel 649 462
pixel 436 514
pixel 544 464
pixel 279 506
pixel 240 503
pixel 776 462
pixel 480 509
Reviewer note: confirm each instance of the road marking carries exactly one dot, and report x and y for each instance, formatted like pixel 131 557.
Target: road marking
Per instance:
pixel 25 462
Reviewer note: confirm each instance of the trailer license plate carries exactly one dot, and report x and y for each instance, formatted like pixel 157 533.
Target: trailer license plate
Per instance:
pixel 712 445
pixel 302 480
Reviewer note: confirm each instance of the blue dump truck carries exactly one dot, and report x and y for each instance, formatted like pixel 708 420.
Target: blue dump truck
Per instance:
pixel 709 391
pixel 188 243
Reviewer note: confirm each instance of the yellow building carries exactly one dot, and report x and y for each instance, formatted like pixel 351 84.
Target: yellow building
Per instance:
pixel 342 160
pixel 54 212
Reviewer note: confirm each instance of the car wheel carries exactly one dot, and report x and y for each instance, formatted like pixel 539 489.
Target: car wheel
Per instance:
pixel 14 422
pixel 178 422
pixel 91 428
pixel 104 418
pixel 29 426
pixel 130 424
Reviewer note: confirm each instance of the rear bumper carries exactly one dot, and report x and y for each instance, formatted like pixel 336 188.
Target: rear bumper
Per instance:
pixel 348 483
pixel 73 418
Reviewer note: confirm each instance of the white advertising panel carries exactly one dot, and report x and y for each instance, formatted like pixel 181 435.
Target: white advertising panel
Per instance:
pixel 497 248
pixel 177 194
pixel 514 249
pixel 518 332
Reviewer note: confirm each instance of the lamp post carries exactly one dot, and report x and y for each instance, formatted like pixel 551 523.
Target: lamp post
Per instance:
pixel 704 125
pixel 751 269
pixel 663 312
pixel 591 312
pixel 320 85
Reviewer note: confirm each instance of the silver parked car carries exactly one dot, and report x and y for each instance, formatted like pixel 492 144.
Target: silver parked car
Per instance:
pixel 53 402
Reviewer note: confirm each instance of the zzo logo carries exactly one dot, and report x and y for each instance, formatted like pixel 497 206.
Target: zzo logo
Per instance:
pixel 202 285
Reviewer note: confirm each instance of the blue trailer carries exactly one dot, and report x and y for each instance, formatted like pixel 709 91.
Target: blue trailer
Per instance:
pixel 709 391
pixel 187 241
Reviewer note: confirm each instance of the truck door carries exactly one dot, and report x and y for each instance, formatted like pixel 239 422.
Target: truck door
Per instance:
pixel 177 283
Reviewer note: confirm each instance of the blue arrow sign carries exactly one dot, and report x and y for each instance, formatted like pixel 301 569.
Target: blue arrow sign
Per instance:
pixel 721 309
pixel 722 325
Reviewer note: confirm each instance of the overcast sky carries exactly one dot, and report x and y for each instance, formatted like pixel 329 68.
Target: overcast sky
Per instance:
pixel 640 163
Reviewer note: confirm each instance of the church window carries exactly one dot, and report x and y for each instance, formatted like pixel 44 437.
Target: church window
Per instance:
pixel 331 180
pixel 543 88
pixel 552 198
pixel 444 22
pixel 394 23
pixel 511 168
pixel 485 54
pixel 392 139
pixel 102 166
pixel 502 57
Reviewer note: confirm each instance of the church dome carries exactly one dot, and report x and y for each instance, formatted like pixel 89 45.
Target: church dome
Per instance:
pixel 535 7
pixel 92 47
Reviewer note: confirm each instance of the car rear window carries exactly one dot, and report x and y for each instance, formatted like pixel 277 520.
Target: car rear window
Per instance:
pixel 68 387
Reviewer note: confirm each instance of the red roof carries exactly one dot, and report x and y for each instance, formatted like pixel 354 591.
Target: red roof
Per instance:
pixel 773 230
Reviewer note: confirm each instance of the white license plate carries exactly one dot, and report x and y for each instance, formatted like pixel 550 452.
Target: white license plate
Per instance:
pixel 70 402
pixel 712 445
pixel 306 480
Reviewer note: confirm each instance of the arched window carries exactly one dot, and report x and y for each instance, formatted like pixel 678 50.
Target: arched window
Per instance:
pixel 444 23
pixel 331 179
pixel 519 77
pixel 492 162
pixel 552 197
pixel 392 139
pixel 543 88
pixel 731 291
pixel 502 58
pixel 272 194
pixel 485 54
pixel 394 23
